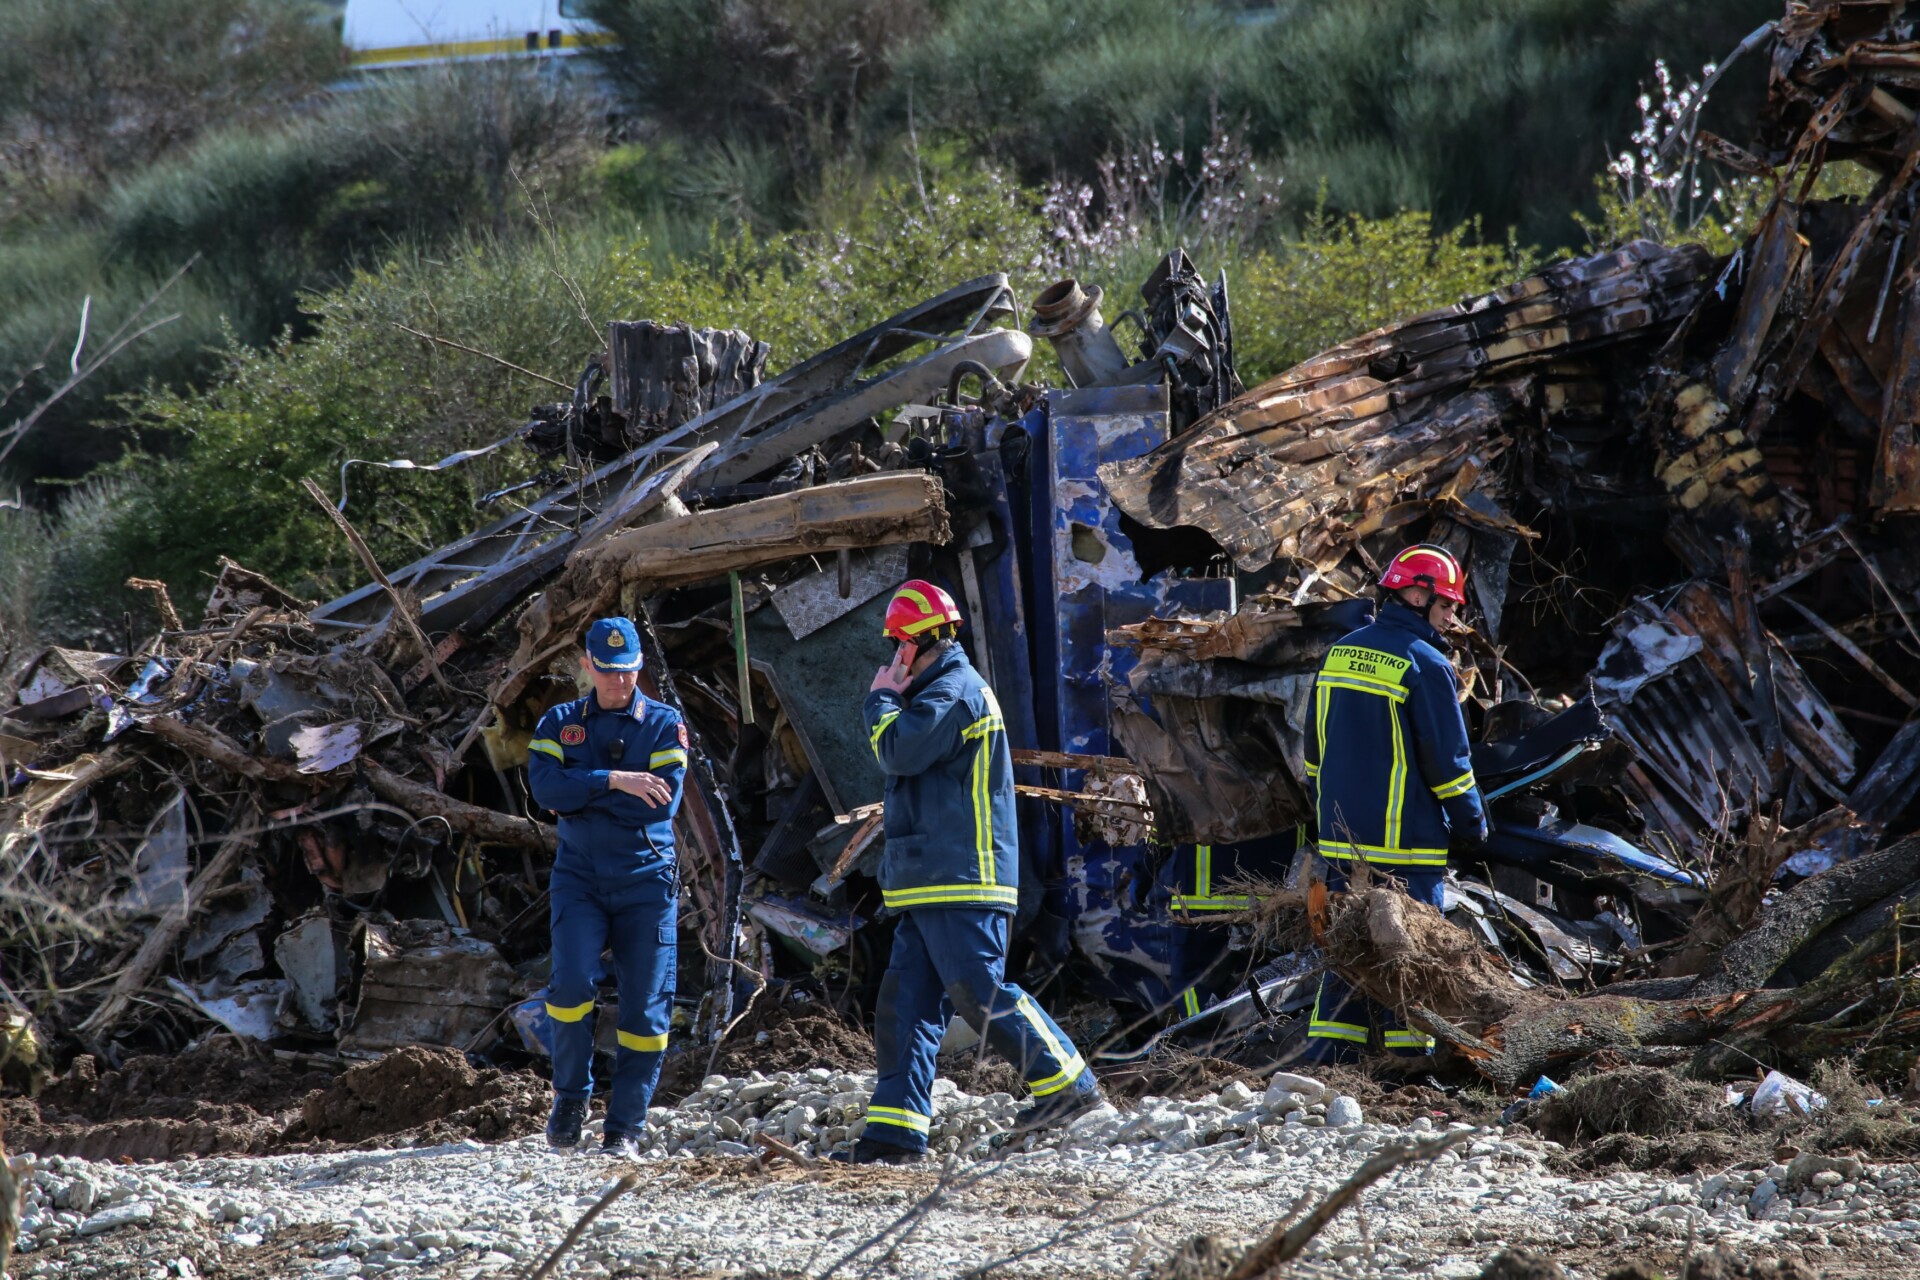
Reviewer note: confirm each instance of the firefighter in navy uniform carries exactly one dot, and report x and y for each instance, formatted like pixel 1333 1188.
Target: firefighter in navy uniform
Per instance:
pixel 611 766
pixel 950 872
pixel 1393 778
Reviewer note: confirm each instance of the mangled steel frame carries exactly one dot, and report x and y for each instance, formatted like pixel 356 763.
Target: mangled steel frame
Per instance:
pixel 467 584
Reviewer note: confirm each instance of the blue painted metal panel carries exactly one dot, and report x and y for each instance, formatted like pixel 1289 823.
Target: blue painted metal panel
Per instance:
pixel 1085 566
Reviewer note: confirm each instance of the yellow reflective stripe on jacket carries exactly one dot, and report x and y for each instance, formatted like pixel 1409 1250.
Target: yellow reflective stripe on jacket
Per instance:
pixel 1458 787
pixel 547 746
pixel 879 729
pixel 933 895
pixel 900 1116
pixel 1203 898
pixel 980 782
pixel 1320 698
pixel 643 1044
pixel 673 755
pixel 1396 777
pixel 1191 999
pixel 1386 857
pixel 1313 770
pixel 569 1013
pixel 980 790
pixel 1355 684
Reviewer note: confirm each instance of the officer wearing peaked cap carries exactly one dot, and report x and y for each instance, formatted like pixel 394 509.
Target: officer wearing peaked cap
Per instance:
pixel 611 765
pixel 950 871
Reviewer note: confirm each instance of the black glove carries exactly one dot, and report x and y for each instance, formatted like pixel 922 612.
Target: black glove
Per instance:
pixel 1468 842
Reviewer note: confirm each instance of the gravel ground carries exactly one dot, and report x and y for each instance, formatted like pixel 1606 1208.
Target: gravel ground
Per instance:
pixel 1118 1193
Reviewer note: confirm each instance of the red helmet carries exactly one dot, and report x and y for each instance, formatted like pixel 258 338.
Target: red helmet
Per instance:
pixel 1426 565
pixel 917 608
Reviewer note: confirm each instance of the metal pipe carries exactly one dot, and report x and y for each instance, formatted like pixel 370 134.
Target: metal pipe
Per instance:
pixel 1069 318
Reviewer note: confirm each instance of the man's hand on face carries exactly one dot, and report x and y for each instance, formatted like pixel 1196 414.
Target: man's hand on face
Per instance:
pixel 896 675
pixel 644 786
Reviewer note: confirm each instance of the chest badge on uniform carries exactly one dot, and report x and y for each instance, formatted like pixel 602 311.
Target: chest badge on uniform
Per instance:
pixel 574 734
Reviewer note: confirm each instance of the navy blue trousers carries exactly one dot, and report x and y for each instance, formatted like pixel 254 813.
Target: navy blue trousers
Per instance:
pixel 947 959
pixel 635 915
pixel 1343 1021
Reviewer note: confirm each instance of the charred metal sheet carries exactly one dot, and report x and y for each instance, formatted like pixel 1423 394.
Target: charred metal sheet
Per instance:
pixel 1292 467
pixel 1683 697
pixel 820 685
pixel 424 983
pixel 315 964
pixel 475 577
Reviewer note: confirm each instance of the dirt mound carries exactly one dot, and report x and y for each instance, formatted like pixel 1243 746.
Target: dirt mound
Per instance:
pixel 1522 1264
pixel 422 1095
pixel 1175 1073
pixel 158 1108
pixel 789 1034
pixel 1724 1264
pixel 981 1074
pixel 220 1097
pixel 218 1130
pixel 175 1086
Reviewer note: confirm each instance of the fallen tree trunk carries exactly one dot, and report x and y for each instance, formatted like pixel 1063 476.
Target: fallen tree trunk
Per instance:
pixel 871 511
pixel 1405 955
pixel 1798 916
pixel 417 798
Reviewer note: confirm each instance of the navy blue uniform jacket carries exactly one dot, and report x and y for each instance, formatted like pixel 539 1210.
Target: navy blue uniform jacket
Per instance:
pixel 603 832
pixel 1388 747
pixel 951 834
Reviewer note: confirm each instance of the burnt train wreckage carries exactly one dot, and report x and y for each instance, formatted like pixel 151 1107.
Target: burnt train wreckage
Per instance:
pixel 1703 795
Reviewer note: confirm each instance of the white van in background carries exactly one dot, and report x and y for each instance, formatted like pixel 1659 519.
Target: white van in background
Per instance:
pixel 412 33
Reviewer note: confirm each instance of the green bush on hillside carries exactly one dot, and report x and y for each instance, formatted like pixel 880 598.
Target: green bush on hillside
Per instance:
pixel 1343 277
pixel 91 89
pixel 491 150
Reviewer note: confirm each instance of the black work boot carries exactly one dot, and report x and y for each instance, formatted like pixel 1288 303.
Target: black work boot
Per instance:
pixel 869 1152
pixel 622 1146
pixel 563 1126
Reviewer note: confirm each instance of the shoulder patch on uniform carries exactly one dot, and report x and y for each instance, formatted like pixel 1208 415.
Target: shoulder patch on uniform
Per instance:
pixel 574 734
pixel 682 730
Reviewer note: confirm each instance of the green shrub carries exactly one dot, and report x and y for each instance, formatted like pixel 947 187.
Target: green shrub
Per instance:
pixel 92 88
pixel 1345 276
pixel 794 74
pixel 46 283
pixel 1053 86
pixel 1497 109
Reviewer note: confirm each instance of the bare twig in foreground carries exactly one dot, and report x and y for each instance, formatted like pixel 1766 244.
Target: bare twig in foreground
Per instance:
pixel 484 355
pixel 628 1181
pixel 1285 1243
pixel 402 607
pixel 771 1146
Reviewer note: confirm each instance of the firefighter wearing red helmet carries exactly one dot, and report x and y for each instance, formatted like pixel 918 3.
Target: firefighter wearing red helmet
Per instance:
pixel 1393 777
pixel 950 872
